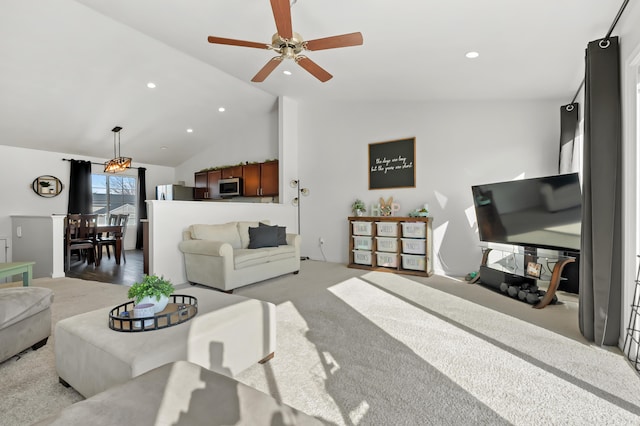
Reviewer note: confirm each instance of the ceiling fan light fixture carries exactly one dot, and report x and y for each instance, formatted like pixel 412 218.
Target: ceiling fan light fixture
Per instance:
pixel 118 163
pixel 290 45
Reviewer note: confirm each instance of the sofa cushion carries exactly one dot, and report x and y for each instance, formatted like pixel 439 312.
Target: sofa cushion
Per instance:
pixel 243 230
pixel 263 236
pixel 246 258
pixel 18 303
pixel 282 233
pixel 227 232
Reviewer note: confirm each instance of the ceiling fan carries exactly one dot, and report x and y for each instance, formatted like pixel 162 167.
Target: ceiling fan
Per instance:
pixel 290 45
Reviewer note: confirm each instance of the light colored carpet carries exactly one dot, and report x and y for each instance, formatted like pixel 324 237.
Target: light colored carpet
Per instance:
pixel 377 348
pixel 369 348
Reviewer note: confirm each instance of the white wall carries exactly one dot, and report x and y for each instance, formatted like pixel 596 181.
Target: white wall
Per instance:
pixel 21 166
pixel 458 144
pixel 257 141
pixel 629 32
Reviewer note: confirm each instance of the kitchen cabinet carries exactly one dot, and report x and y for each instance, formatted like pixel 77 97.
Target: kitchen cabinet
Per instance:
pixel 213 187
pixel 206 184
pixel 232 172
pixel 200 190
pixel 260 179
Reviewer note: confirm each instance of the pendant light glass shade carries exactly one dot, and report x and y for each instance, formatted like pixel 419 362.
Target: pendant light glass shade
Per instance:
pixel 117 164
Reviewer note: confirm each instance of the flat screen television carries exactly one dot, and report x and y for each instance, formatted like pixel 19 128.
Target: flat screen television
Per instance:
pixel 544 212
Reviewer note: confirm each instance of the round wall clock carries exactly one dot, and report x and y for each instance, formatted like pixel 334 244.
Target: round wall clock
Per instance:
pixel 47 186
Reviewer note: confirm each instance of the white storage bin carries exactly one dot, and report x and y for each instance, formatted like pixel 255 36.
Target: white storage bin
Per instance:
pixel 362 257
pixel 362 243
pixel 387 229
pixel 414 229
pixel 387 244
pixel 413 245
pixel 361 228
pixel 412 261
pixel 387 259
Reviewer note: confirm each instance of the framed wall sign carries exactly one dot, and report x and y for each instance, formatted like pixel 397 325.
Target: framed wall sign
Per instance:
pixel 47 186
pixel 392 164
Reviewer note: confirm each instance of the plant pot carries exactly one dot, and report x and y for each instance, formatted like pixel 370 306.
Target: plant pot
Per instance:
pixel 143 310
pixel 159 304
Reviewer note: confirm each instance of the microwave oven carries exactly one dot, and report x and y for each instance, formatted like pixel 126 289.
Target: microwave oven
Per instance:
pixel 230 187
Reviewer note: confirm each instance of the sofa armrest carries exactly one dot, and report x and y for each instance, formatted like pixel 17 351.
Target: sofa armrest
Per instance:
pixel 293 240
pixel 206 247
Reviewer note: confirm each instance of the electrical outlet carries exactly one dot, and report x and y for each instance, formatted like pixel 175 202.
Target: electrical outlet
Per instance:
pixel 321 241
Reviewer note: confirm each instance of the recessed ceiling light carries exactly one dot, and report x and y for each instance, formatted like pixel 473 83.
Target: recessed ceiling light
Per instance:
pixel 189 130
pixel 221 109
pixel 286 72
pixel 472 55
pixel 163 147
pixel 151 85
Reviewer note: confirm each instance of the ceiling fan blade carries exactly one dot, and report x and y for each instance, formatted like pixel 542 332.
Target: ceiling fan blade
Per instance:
pixel 316 70
pixel 234 42
pixel 345 40
pixel 267 69
pixel 282 15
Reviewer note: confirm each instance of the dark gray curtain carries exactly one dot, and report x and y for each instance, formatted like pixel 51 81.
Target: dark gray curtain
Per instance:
pixel 569 121
pixel 601 247
pixel 80 198
pixel 142 204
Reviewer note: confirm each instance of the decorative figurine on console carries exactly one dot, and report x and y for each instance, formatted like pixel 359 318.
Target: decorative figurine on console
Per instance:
pixel 388 208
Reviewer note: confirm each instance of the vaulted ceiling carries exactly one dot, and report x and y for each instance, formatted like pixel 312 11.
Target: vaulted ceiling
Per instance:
pixel 71 70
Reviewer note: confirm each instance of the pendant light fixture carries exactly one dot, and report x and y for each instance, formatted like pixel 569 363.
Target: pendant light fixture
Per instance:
pixel 117 164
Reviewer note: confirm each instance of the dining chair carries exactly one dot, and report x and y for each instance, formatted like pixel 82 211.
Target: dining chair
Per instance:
pixel 109 239
pixel 80 236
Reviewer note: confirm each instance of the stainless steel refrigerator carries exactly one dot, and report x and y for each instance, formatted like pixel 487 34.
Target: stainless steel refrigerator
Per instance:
pixel 174 192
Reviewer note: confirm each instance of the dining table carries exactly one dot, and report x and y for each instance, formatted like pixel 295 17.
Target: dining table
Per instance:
pixel 113 230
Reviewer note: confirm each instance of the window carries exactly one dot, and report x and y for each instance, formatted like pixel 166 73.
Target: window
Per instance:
pixel 114 194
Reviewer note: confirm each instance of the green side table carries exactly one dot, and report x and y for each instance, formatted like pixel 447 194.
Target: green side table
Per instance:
pixel 17 268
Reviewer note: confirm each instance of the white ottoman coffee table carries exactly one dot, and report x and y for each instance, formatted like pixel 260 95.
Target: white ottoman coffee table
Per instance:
pixel 229 334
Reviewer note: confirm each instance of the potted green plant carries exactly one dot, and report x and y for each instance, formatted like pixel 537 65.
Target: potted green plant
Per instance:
pixel 152 289
pixel 358 207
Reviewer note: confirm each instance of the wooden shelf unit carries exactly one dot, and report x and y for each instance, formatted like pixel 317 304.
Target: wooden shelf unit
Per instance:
pixel 387 253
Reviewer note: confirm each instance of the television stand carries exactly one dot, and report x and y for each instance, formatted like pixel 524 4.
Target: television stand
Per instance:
pixel 516 264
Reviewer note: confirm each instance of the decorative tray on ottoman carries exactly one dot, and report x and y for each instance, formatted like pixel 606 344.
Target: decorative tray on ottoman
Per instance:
pixel 180 308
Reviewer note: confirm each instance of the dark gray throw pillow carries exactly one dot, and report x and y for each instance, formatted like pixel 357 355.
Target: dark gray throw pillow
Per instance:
pixel 282 232
pixel 263 236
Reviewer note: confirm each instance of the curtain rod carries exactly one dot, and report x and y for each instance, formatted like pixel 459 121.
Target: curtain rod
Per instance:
pixel 613 25
pixel 98 164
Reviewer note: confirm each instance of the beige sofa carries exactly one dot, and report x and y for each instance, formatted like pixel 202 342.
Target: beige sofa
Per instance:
pixel 25 319
pixel 220 255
